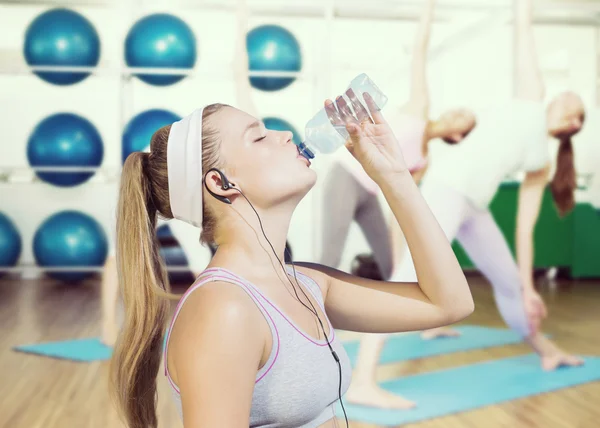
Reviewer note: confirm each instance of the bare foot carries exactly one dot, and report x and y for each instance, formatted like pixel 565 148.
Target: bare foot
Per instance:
pixel 551 355
pixel 375 396
pixel 434 333
pixel 560 359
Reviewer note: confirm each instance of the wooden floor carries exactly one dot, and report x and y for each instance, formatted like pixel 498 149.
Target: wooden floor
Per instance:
pixel 47 393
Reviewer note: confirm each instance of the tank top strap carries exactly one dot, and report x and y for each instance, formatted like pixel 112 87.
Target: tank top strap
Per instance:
pixel 310 284
pixel 218 274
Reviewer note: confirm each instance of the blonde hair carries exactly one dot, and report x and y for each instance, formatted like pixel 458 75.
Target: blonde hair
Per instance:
pixel 143 279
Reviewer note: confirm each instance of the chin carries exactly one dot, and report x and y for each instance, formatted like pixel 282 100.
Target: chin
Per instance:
pixel 563 131
pixel 302 183
pixel 309 180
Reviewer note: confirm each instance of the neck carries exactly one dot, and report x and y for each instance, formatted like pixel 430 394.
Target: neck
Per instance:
pixel 243 245
pixel 432 130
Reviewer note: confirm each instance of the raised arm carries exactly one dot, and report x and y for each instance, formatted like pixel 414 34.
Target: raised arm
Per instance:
pixel 243 88
pixel 529 84
pixel 441 296
pixel 418 103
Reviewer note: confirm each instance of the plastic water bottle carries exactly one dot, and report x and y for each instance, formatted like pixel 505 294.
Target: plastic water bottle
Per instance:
pixel 324 137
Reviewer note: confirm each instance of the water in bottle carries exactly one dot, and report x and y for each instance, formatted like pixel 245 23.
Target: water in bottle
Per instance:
pixel 326 136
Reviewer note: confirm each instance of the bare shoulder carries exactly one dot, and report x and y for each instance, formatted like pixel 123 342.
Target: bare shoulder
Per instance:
pixel 218 305
pixel 219 316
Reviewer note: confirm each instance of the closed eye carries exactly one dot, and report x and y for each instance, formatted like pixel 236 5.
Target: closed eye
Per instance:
pixel 260 139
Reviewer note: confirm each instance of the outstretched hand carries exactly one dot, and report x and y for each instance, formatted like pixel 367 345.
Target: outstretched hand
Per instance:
pixel 371 141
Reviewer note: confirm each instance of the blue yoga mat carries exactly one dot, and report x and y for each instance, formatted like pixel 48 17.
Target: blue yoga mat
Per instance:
pixel 410 346
pixel 465 388
pixel 85 350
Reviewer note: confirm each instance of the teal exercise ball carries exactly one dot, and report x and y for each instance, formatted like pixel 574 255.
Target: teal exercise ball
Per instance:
pixel 160 41
pixel 65 140
pixel 70 239
pixel 272 48
pixel 61 37
pixel 138 132
pixel 10 243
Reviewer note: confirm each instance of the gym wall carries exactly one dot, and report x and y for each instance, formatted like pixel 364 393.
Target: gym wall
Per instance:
pixel 467 73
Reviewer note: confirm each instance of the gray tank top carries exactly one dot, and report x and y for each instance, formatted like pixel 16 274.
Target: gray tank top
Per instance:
pixel 298 385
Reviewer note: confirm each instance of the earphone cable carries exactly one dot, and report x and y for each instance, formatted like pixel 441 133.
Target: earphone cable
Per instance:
pixel 314 311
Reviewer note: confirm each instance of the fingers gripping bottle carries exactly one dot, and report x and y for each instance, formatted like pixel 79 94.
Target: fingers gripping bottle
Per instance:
pixel 326 131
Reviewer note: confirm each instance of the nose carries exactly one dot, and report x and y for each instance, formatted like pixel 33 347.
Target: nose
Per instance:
pixel 287 136
pixel 576 124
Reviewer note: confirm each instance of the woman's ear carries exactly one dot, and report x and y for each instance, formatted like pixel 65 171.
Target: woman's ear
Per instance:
pixel 220 186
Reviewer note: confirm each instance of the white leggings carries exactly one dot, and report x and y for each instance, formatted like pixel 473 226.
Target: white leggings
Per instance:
pixel 477 232
pixel 346 200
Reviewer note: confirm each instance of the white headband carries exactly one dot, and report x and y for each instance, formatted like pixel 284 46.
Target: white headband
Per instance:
pixel 184 163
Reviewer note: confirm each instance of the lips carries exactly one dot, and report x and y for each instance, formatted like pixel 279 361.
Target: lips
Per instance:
pixel 299 156
pixel 302 158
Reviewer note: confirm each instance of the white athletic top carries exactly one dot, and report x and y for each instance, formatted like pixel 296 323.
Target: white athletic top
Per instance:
pixel 509 138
